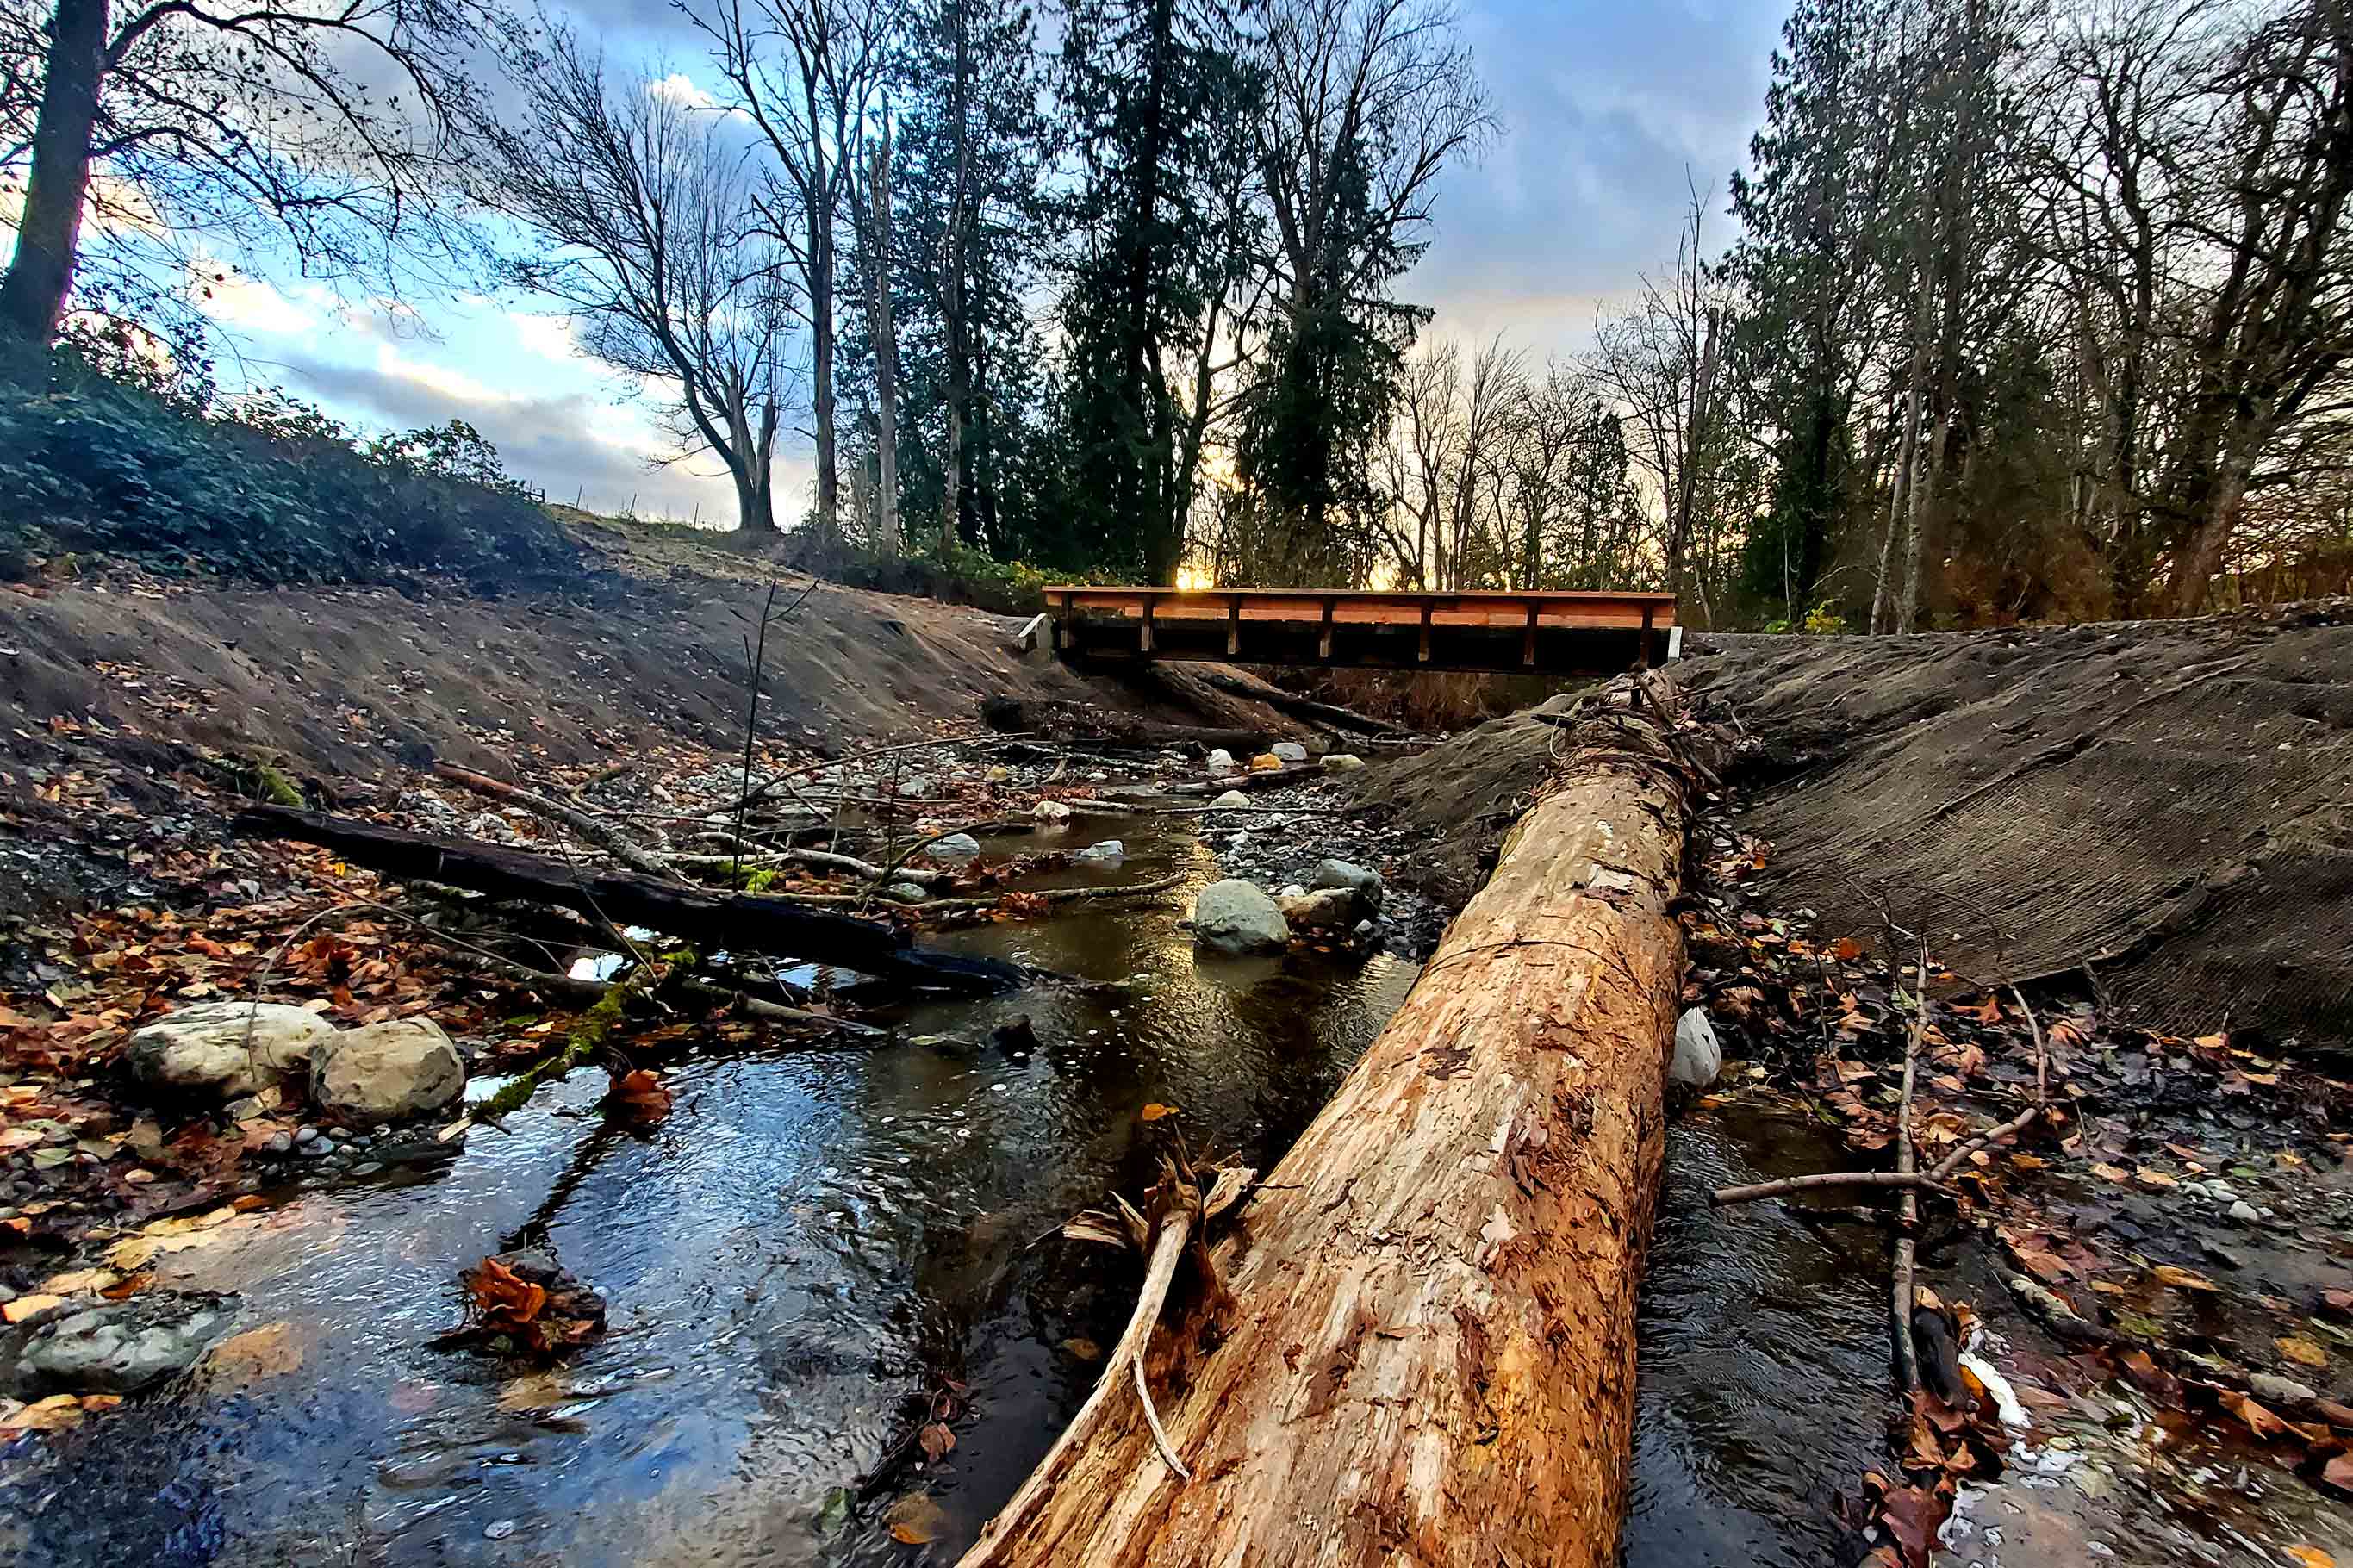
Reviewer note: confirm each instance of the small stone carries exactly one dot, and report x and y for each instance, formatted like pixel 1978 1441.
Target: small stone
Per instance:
pixel 915 787
pixel 498 1530
pixel 1294 890
pixel 277 1143
pixel 306 1135
pixel 368 1168
pixel 1361 881
pixel 1098 776
pixel 1108 852
pixel 1342 762
pixel 1366 928
pixel 1698 1058
pixel 1231 797
pixel 1287 751
pixel 1327 907
pixel 955 846
pixel 318 1150
pixel 907 892
pixel 2244 1212
pixel 1051 811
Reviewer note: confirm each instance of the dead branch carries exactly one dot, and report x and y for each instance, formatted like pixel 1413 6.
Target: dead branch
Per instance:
pixel 602 835
pixel 741 922
pixel 1907 1208
pixel 1787 1186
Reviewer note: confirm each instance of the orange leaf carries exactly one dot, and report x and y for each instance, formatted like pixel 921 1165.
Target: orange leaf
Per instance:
pixel 2260 1421
pixel 1154 1112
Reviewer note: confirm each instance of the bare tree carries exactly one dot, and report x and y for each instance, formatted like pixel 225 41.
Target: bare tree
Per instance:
pixel 806 73
pixel 652 247
pixel 201 133
pixel 873 207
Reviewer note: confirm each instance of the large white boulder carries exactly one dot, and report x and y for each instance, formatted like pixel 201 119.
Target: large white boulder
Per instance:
pixel 1289 751
pixel 219 1051
pixel 384 1072
pixel 1237 917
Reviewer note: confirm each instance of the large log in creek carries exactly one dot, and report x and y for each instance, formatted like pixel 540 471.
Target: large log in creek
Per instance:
pixel 703 916
pixel 1428 1354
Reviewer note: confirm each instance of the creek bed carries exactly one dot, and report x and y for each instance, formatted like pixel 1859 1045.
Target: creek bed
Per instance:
pixel 810 1242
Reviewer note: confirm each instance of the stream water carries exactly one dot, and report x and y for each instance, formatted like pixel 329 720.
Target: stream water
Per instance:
pixel 811 1241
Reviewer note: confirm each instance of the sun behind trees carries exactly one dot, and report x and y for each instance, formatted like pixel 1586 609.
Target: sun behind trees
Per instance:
pixel 2025 308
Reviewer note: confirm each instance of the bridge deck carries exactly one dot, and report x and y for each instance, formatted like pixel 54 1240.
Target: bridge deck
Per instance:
pixel 1538 633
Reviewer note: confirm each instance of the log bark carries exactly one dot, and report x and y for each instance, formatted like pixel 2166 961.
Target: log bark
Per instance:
pixel 699 915
pixel 1432 1358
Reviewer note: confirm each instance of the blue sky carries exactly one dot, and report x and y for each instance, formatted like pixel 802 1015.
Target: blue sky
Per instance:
pixel 1604 109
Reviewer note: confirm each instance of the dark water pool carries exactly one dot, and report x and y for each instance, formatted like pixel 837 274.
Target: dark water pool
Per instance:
pixel 811 1244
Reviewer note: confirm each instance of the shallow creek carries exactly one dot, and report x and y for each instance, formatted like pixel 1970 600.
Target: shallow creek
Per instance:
pixel 812 1240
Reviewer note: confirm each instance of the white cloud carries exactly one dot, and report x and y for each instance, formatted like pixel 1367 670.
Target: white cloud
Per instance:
pixel 251 305
pixel 441 380
pixel 550 337
pixel 679 88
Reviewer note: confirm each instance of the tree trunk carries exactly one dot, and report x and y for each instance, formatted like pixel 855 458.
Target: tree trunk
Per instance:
pixel 1694 444
pixel 1432 1356
pixel 49 232
pixel 828 478
pixel 886 352
pixel 959 343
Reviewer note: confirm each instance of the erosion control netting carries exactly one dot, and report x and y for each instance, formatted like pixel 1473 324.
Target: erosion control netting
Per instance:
pixel 2168 803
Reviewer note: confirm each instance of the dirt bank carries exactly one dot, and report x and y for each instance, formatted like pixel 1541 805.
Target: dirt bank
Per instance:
pixel 2166 802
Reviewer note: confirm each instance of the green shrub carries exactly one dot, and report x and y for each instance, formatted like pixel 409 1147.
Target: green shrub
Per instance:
pixel 88 463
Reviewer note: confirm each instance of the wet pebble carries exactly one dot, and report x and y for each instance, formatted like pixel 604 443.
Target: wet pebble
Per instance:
pixel 498 1530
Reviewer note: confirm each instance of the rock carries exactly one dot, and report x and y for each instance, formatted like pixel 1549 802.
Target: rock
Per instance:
pixel 1288 751
pixel 998 773
pixel 907 892
pixel 1697 1059
pixel 955 846
pixel 1231 797
pixel 1237 917
pixel 488 824
pixel 1221 760
pixel 1342 762
pixel 388 1071
pixel 1363 883
pixel 1107 852
pixel 1323 907
pixel 1266 763
pixel 2277 1391
pixel 1051 811
pixel 202 1051
pixel 115 1347
pixel 1366 928
pixel 1016 1036
pixel 277 1143
pixel 2244 1212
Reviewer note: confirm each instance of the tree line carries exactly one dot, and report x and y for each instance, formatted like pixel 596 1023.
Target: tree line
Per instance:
pixel 2023 307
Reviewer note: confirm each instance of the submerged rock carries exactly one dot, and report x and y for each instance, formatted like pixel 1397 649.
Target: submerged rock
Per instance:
pixel 222 1050
pixel 1697 1059
pixel 1361 880
pixel 1237 917
pixel 907 892
pixel 1107 852
pixel 115 1347
pixel 1051 811
pixel 955 846
pixel 388 1071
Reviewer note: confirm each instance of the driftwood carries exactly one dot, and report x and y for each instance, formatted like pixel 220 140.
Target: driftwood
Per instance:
pixel 1267 780
pixel 1330 715
pixel 602 835
pixel 1431 1356
pixel 745 923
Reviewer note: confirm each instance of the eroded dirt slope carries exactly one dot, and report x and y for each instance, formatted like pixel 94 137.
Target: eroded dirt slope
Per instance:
pixel 2171 803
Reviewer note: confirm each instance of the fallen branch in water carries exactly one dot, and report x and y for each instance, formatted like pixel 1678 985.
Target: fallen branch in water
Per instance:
pixel 1907 1208
pixel 593 991
pixel 1787 1186
pixel 2039 1110
pixel 784 927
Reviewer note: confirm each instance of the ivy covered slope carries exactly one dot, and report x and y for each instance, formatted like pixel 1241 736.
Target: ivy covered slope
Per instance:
pixel 261 489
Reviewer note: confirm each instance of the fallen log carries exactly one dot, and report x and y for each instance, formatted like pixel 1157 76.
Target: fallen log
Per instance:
pixel 604 834
pixel 1326 715
pixel 1431 1357
pixel 704 916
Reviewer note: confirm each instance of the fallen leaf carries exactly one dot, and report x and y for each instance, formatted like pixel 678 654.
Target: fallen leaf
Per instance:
pixel 915 1519
pixel 2310 1556
pixel 1083 1349
pixel 2337 1300
pixel 1154 1112
pixel 2338 1472
pixel 2298 1348
pixel 936 1440
pixel 2183 1278
pixel 1846 950
pixel 269 1351
pixel 2112 1173
pixel 24 1307
pixel 2260 1421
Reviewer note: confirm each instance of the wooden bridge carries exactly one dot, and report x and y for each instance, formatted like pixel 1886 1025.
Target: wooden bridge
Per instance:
pixel 1534 632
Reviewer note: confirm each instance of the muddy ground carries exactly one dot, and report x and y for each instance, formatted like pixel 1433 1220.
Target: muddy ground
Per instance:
pixel 2144 827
